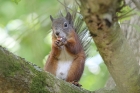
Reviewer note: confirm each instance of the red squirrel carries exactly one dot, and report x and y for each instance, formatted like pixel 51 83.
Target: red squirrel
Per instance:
pixel 67 57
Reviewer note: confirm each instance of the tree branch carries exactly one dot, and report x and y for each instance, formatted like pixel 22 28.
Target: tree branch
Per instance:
pixel 111 43
pixel 19 76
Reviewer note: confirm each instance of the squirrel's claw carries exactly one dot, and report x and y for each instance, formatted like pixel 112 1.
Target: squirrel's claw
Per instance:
pixel 76 83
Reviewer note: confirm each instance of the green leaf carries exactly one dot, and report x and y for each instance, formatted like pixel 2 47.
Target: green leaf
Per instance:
pixel 16 1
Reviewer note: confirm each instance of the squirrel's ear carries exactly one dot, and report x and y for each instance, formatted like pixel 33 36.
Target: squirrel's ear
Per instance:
pixel 69 17
pixel 51 18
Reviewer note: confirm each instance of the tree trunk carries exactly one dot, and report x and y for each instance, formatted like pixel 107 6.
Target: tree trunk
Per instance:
pixel 112 44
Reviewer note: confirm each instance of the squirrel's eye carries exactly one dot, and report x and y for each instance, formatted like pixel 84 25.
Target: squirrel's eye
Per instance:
pixel 65 24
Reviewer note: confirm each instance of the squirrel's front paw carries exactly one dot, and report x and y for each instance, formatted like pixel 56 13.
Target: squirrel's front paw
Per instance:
pixel 64 41
pixel 60 41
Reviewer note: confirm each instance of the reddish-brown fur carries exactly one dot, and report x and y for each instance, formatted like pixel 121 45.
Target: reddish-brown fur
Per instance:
pixel 51 63
pixel 74 47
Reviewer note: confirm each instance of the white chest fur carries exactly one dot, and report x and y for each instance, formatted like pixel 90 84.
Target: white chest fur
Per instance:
pixel 64 64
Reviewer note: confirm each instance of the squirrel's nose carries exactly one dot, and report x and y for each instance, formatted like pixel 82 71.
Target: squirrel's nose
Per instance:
pixel 57 33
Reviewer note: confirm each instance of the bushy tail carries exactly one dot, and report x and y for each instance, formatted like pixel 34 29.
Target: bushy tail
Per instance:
pixel 78 24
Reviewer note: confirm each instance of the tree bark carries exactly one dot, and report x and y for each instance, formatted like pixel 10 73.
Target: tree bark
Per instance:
pixel 19 76
pixel 111 42
pixel 130 32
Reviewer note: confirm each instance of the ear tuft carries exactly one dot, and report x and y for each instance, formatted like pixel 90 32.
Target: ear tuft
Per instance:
pixel 69 17
pixel 51 18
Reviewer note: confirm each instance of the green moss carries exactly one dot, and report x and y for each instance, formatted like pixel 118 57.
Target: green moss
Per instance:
pixel 38 84
pixel 12 69
pixel 9 69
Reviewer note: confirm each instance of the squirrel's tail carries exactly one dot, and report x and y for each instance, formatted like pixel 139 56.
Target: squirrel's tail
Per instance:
pixel 79 25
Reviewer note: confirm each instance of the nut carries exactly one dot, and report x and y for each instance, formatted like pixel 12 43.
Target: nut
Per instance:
pixel 59 38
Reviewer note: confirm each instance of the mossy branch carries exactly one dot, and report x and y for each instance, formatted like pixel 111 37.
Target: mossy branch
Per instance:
pixel 19 76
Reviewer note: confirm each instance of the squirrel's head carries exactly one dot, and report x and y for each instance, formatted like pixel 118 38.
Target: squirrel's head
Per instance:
pixel 62 26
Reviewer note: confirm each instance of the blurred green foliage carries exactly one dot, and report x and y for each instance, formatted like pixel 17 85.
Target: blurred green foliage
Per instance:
pixel 24 30
pixel 16 1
